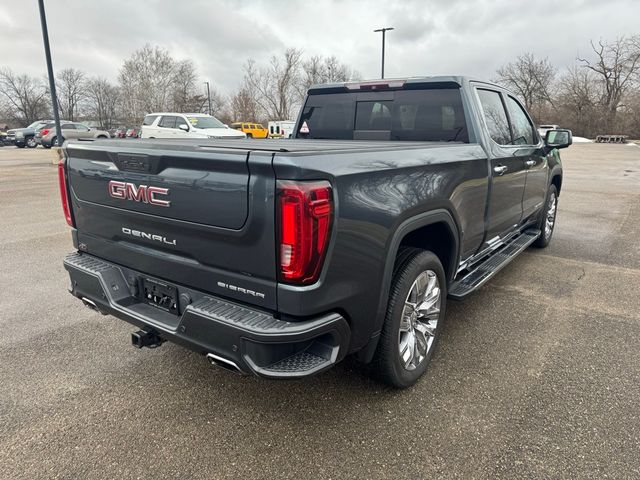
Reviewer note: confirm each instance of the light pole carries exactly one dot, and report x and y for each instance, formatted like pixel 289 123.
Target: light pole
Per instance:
pixel 383 30
pixel 52 81
pixel 208 96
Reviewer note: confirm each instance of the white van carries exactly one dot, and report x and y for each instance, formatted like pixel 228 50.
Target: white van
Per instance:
pixel 281 128
pixel 186 125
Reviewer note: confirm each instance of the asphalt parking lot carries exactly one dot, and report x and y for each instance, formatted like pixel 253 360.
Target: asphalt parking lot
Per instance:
pixel 537 375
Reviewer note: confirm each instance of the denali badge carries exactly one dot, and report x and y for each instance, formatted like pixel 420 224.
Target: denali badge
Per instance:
pixel 138 193
pixel 148 236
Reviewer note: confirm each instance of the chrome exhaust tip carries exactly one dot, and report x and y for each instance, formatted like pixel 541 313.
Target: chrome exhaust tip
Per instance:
pixel 223 363
pixel 90 304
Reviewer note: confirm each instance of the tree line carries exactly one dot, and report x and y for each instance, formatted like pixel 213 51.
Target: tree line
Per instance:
pixel 598 94
pixel 152 80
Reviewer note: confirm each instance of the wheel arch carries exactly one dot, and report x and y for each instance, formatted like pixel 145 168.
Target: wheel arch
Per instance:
pixel 436 231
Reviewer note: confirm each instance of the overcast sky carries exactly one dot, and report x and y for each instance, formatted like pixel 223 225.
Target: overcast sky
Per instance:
pixel 470 37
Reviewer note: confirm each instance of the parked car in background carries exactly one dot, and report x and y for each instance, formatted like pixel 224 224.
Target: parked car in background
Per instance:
pixel 26 137
pixel 543 129
pixel 3 139
pixel 47 137
pixel 252 130
pixel 281 128
pixel 133 132
pixel 120 132
pixel 186 125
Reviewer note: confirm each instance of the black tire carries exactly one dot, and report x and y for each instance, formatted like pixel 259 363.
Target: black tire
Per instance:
pixel 387 363
pixel 31 142
pixel 47 146
pixel 54 142
pixel 20 146
pixel 547 231
pixel 249 135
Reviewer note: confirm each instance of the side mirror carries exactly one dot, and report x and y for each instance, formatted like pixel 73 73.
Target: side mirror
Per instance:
pixel 184 126
pixel 558 138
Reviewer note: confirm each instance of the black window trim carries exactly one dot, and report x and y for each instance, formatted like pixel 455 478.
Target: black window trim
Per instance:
pixel 534 130
pixel 506 112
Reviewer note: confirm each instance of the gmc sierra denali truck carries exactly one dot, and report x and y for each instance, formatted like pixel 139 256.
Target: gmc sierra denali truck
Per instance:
pixel 281 257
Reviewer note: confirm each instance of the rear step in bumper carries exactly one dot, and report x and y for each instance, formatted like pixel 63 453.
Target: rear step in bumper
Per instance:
pixel 231 335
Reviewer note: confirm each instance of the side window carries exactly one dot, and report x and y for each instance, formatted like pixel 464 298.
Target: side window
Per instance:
pixel 149 119
pixel 167 122
pixel 68 126
pixel 82 128
pixel 523 133
pixel 495 116
pixel 182 121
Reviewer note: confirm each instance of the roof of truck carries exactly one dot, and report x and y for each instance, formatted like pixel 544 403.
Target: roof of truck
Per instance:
pixel 459 80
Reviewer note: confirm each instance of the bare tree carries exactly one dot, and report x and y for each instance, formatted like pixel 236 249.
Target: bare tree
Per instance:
pixel 578 101
pixel 70 87
pixel 25 97
pixel 218 103
pixel 529 78
pixel 318 69
pixel 102 101
pixel 275 88
pixel 243 107
pixel 152 80
pixel 617 65
pixel 146 81
pixel 184 88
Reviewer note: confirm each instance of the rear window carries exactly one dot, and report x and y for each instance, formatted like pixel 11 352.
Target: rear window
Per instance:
pixel 434 115
pixel 149 119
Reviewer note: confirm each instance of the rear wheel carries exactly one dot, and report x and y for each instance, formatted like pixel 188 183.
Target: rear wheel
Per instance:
pixel 55 143
pixel 19 146
pixel 414 318
pixel 547 220
pixel 249 135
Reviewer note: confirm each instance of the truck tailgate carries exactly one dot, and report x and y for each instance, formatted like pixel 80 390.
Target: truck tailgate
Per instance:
pixel 196 215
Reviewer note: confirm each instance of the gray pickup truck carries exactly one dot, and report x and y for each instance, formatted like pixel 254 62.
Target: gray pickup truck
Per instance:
pixel 281 257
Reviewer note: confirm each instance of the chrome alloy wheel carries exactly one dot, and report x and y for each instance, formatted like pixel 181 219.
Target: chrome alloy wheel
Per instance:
pixel 550 217
pixel 419 321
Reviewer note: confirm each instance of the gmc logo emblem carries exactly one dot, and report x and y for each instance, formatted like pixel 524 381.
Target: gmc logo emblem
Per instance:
pixel 138 193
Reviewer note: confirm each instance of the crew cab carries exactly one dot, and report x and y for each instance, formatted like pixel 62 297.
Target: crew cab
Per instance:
pixel 282 258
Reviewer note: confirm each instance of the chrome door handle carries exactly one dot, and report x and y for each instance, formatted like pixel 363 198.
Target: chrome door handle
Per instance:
pixel 530 163
pixel 500 169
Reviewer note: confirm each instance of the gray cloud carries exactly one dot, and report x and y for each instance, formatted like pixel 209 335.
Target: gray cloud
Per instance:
pixel 430 37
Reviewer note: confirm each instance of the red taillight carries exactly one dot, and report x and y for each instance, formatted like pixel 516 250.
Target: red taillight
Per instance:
pixel 44 132
pixel 64 197
pixel 305 214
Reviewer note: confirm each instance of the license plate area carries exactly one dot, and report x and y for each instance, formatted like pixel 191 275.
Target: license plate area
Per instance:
pixel 160 295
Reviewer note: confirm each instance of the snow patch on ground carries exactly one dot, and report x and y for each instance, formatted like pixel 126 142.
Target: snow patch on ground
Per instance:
pixel 581 140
